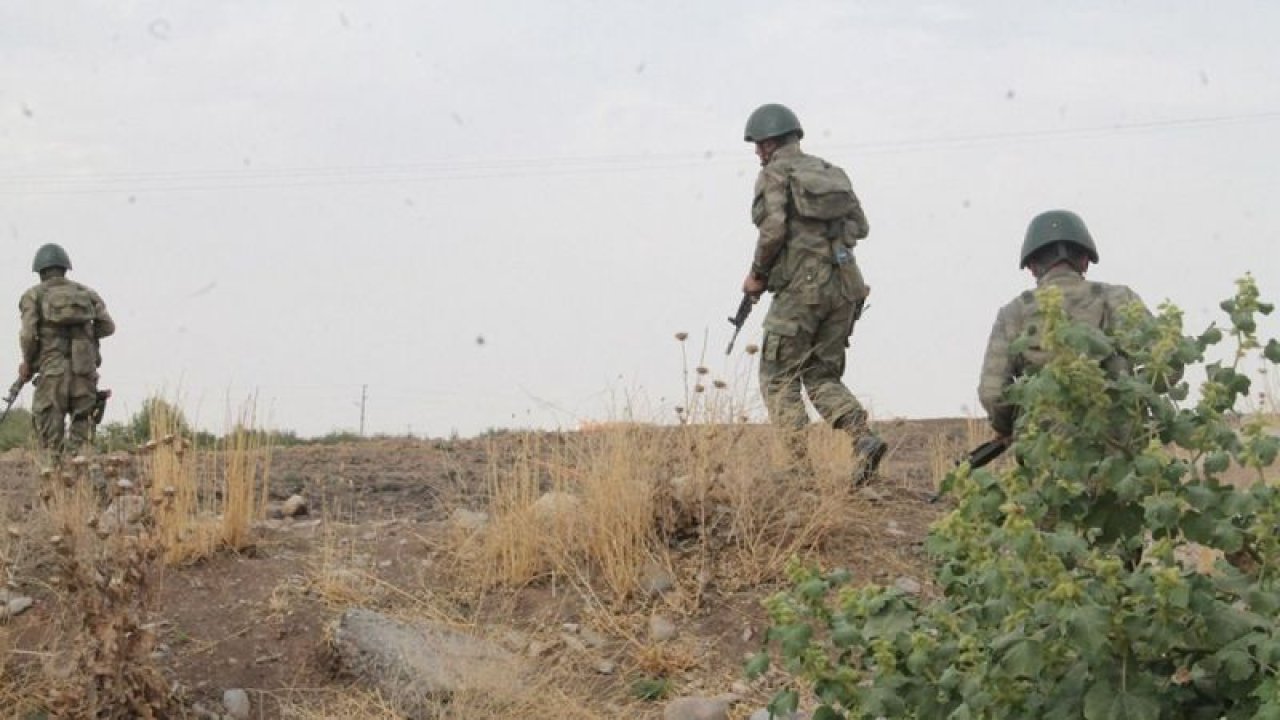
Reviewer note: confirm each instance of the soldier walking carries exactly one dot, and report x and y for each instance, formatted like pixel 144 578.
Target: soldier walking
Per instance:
pixel 62 322
pixel 1057 250
pixel 809 221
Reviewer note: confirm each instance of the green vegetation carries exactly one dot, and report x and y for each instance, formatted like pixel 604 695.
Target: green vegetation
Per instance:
pixel 1074 583
pixel 16 429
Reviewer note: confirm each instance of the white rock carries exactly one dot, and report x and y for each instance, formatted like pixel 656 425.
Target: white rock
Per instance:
pixel 293 507
pixel 908 585
pixel 656 579
pixel 416 662
pixel 236 702
pixel 556 505
pixel 661 628
pixel 699 708
pixel 469 520
pixel 15 606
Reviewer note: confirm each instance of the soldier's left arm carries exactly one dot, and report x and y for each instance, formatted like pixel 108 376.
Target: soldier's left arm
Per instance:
pixel 29 332
pixel 769 213
pixel 998 372
pixel 103 325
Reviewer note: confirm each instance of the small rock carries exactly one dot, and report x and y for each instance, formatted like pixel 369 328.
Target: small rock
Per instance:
pixel 592 638
pixel 893 529
pixel 538 648
pixel 15 606
pixel 203 713
pixel 763 714
pixel 469 520
pixel 295 506
pixel 656 579
pixel 661 628
pixel 740 688
pixel 605 667
pixel 573 642
pixel 236 702
pixel 699 708
pixel 908 585
pixel 555 505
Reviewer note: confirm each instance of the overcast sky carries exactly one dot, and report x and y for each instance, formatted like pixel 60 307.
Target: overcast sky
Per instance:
pixel 498 214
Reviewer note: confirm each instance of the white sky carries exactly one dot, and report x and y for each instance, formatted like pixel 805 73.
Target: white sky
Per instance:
pixel 301 197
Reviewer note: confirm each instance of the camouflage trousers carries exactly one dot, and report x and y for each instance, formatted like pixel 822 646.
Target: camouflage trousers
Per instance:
pixel 806 337
pixel 59 397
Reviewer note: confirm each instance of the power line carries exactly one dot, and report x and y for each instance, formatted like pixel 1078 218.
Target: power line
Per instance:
pixel 329 175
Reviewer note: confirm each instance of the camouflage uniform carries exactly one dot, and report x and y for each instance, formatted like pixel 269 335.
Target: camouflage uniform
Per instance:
pixel 1091 303
pixel 66 359
pixel 816 302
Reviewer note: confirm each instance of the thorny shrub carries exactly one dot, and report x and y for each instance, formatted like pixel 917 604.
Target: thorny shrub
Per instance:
pixel 1063 586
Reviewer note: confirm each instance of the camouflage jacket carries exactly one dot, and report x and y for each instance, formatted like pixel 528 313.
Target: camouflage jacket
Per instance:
pixel 787 241
pixel 1092 303
pixel 47 348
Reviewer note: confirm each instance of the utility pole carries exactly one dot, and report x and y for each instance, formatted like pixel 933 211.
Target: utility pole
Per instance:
pixel 364 396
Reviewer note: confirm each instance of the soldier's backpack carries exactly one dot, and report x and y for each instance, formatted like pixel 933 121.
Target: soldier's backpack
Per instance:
pixel 67 305
pixel 822 191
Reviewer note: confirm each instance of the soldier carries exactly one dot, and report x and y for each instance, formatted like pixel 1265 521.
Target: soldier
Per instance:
pixel 1057 250
pixel 62 322
pixel 809 221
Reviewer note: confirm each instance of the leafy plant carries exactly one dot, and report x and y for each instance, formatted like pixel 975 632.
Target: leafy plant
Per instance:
pixel 1065 585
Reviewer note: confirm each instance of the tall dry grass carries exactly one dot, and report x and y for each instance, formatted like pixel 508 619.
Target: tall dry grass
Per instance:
pixel 207 498
pixel 711 496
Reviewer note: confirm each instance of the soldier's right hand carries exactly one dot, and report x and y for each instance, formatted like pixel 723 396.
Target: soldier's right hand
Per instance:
pixel 24 372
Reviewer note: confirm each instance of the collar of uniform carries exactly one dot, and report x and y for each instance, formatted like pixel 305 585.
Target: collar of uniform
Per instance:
pixel 786 151
pixel 1060 274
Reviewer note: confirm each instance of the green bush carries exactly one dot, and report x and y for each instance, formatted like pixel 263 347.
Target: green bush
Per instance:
pixel 16 430
pixel 1065 589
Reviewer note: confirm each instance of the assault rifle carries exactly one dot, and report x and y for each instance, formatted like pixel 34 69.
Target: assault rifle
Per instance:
pixel 986 452
pixel 740 318
pixel 9 399
pixel 977 457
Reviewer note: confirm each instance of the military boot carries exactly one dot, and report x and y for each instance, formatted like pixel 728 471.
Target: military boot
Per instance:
pixel 868 448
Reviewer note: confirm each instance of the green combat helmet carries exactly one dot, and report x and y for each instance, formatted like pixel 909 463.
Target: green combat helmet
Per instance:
pixel 50 255
pixel 771 121
pixel 1057 226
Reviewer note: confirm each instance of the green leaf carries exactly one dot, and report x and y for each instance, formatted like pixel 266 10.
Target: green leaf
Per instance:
pixel 1162 511
pixel 784 703
pixel 826 713
pixel 757 665
pixel 1236 664
pixel 1024 658
pixel 1104 702
pixel 1090 625
pixel 1217 462
pixel 1272 351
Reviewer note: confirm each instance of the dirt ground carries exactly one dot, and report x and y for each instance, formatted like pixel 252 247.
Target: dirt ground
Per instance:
pixel 259 620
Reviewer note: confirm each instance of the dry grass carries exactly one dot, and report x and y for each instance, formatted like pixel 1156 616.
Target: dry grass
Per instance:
pixel 698 499
pixel 543 696
pixel 207 501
